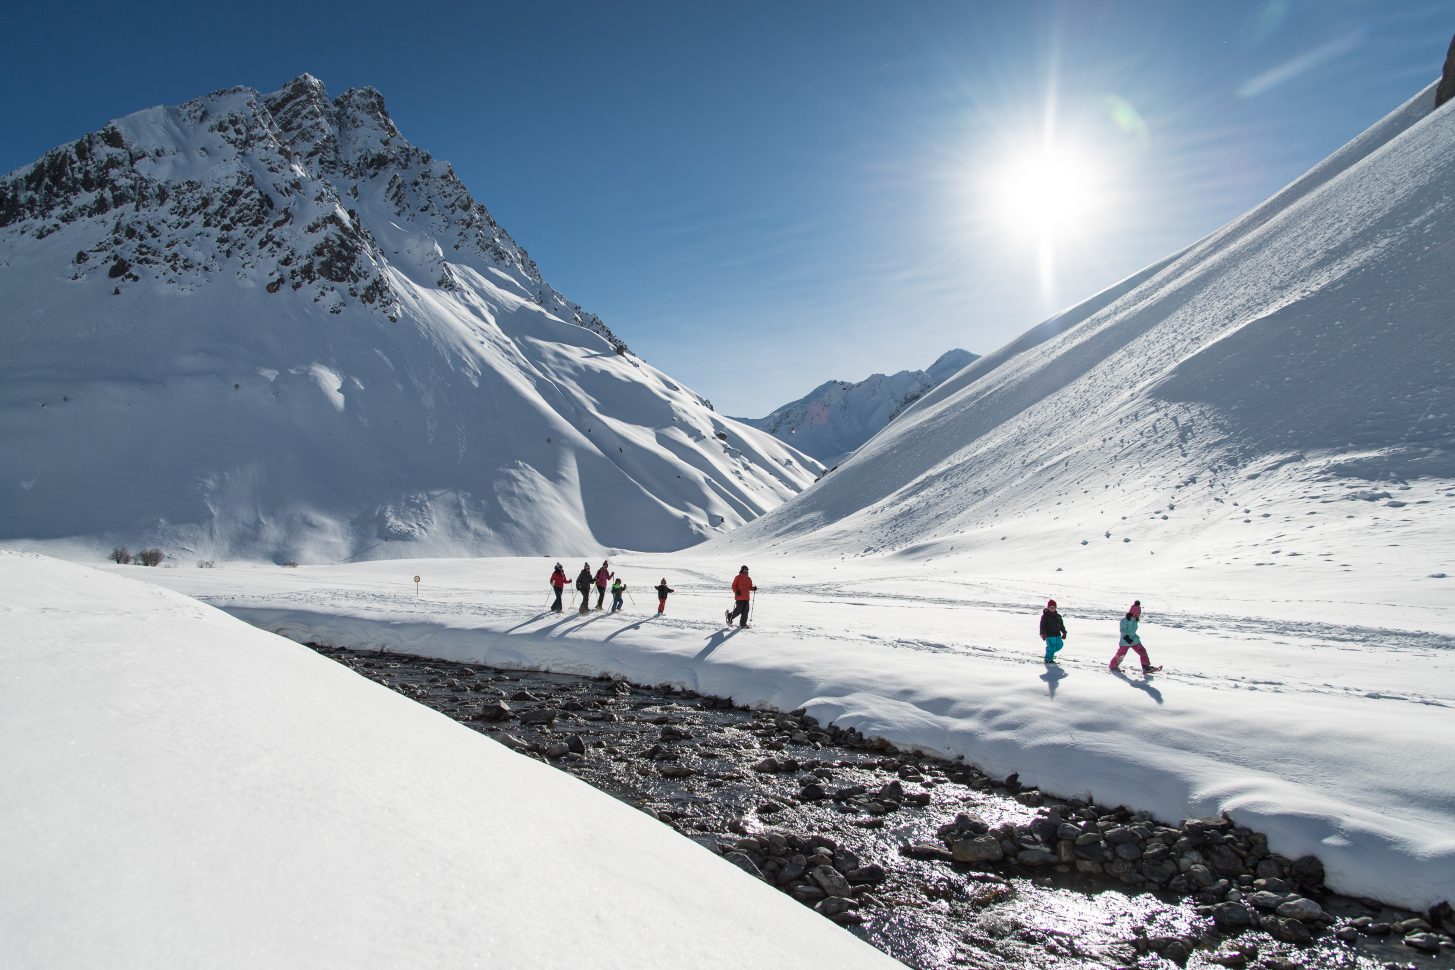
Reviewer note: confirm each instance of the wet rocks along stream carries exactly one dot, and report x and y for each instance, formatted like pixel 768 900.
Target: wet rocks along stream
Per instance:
pixel 930 861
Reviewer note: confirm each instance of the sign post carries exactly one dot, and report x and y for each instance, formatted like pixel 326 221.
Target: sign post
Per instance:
pixel 416 587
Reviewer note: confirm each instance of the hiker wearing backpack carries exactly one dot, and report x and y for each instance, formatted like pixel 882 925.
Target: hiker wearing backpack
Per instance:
pixel 1131 640
pixel 1053 631
pixel 583 586
pixel 558 583
pixel 662 590
pixel 743 590
pixel 603 576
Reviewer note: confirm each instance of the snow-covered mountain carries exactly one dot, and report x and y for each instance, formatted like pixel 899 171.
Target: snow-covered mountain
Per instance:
pixel 1282 388
pixel 268 325
pixel 836 417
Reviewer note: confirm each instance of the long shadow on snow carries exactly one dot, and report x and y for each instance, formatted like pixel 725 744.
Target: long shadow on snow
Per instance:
pixel 526 623
pixel 630 626
pixel 715 641
pixel 1140 685
pixel 1053 677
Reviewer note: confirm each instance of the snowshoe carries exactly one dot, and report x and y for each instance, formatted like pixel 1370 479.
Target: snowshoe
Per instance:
pixel 1150 670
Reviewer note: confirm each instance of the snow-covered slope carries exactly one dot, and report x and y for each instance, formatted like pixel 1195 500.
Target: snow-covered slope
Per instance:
pixel 182 790
pixel 267 325
pixel 836 417
pixel 1282 388
pixel 1316 713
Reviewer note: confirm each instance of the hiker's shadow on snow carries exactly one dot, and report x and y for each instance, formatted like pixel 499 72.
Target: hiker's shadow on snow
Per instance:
pixel 715 641
pixel 526 623
pixel 1142 685
pixel 590 619
pixel 630 626
pixel 1053 676
pixel 551 628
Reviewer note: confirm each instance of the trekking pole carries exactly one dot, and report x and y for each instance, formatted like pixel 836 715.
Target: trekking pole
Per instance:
pixel 632 598
pixel 549 598
pixel 752 605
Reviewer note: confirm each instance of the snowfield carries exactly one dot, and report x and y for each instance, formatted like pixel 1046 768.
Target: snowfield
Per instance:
pixel 181 790
pixel 1319 715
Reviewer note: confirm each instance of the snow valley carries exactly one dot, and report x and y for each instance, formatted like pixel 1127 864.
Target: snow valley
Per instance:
pixel 1235 437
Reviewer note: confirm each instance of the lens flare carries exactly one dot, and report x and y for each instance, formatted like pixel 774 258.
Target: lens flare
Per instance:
pixel 1049 193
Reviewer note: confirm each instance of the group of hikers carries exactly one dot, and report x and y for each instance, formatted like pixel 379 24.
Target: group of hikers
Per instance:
pixel 1053 626
pixel 743 590
pixel 1053 633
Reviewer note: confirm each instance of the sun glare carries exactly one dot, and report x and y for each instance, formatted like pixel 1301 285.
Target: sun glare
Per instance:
pixel 1048 194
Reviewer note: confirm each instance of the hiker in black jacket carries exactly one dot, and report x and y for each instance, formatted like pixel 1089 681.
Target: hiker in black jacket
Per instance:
pixel 662 590
pixel 1053 631
pixel 583 586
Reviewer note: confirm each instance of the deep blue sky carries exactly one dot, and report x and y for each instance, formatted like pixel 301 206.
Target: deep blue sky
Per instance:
pixel 760 196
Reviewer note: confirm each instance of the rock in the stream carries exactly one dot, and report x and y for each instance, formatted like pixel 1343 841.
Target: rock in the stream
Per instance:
pixel 494 711
pixel 1232 916
pixel 745 863
pixel 977 848
pixel 812 792
pixel 1303 910
pixel 831 881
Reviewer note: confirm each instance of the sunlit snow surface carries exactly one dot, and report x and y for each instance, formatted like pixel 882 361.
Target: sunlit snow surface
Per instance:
pixel 1316 712
pixel 179 790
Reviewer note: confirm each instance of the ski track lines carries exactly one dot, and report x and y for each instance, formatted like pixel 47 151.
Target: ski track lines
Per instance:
pixel 517 618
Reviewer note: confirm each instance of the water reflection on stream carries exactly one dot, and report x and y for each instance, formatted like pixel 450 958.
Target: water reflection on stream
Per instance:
pixel 695 763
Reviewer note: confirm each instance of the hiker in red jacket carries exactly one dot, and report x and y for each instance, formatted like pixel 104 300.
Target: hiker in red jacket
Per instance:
pixel 558 580
pixel 743 590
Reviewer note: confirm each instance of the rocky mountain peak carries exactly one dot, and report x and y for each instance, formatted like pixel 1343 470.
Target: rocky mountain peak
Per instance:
pixel 287 190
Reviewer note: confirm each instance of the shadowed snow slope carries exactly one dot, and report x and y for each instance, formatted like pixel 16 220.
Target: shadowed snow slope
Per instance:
pixel 836 417
pixel 1277 367
pixel 268 326
pixel 183 790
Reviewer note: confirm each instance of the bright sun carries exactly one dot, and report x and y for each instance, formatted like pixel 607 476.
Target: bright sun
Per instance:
pixel 1050 193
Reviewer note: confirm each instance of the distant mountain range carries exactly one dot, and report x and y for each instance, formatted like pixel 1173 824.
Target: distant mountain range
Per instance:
pixel 838 416
pixel 266 325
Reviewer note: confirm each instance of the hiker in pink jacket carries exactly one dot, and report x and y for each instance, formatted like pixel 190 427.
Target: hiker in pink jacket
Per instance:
pixel 603 576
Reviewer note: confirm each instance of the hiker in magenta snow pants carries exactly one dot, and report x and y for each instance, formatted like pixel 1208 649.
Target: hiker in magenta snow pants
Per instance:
pixel 1131 640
